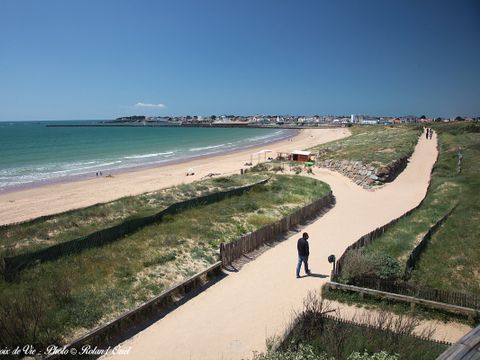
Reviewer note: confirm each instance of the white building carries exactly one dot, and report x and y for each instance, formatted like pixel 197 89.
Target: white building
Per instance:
pixel 356 118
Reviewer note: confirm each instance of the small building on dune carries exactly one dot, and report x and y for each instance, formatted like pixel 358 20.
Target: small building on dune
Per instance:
pixel 300 155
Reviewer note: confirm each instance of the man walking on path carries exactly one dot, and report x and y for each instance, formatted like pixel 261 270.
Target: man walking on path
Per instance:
pixel 303 252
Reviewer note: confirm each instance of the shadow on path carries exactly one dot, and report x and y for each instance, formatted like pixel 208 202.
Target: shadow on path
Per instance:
pixel 161 314
pixel 321 276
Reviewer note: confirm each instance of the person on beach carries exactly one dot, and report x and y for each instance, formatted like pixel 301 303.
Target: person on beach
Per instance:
pixel 303 253
pixel 426 133
pixel 430 134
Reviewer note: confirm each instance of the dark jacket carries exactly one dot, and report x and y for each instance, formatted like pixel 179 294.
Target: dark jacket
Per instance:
pixel 302 247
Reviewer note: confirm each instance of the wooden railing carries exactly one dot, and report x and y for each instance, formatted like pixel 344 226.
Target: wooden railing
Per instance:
pixel 405 288
pixel 232 251
pixel 467 348
pixel 470 313
pixel 105 333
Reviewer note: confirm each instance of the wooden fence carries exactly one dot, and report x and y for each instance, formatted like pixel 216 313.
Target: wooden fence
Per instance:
pixel 115 328
pixel 408 289
pixel 397 167
pixel 371 236
pixel 13 264
pixel 402 287
pixel 372 327
pixel 283 340
pixel 418 250
pixel 232 251
pixel 472 314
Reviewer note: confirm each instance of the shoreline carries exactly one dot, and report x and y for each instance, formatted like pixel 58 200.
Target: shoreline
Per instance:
pixel 139 167
pixel 27 204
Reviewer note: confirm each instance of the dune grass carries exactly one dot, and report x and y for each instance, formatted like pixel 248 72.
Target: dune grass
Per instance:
pixel 67 296
pixel 451 260
pixel 315 336
pixel 375 145
pixel 44 232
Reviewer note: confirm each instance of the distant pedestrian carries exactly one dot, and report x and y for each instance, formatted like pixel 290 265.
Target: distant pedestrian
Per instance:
pixel 303 253
pixel 100 173
pixel 426 133
pixel 96 174
pixel 430 134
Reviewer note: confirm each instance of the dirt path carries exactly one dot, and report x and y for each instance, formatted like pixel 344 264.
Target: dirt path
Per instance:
pixel 234 317
pixel 51 199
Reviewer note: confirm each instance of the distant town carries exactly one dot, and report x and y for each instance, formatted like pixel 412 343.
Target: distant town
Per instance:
pixel 280 120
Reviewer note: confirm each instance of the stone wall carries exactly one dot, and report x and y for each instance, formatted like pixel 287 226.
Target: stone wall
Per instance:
pixel 366 175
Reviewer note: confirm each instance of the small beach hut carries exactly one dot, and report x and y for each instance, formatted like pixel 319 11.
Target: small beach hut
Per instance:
pixel 300 155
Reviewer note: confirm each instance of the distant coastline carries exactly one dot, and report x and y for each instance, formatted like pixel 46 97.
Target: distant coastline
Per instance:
pixel 191 125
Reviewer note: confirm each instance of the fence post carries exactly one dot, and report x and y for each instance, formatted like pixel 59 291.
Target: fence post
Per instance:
pixel 249 242
pixel 222 253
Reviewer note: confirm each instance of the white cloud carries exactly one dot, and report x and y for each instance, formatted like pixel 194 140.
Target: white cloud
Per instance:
pixel 141 104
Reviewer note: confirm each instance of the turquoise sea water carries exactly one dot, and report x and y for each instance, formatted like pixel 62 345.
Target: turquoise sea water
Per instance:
pixel 32 154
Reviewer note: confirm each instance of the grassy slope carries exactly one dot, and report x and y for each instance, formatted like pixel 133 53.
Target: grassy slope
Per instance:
pixel 373 145
pixel 41 233
pixel 451 259
pixel 85 289
pixel 337 340
pixel 359 339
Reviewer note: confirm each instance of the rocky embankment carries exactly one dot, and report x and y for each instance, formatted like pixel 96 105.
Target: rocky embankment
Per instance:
pixel 367 175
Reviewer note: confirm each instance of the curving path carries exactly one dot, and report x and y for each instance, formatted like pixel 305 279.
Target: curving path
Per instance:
pixel 234 317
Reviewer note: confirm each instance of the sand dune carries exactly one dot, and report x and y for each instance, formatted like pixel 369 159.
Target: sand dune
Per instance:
pixel 234 317
pixel 27 204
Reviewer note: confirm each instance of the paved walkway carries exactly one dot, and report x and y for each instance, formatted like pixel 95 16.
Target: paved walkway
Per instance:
pixel 234 317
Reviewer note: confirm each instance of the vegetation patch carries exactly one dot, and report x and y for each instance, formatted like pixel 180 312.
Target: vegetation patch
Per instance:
pixel 47 231
pixel 397 307
pixel 373 145
pixel 450 260
pixel 372 156
pixel 53 301
pixel 315 335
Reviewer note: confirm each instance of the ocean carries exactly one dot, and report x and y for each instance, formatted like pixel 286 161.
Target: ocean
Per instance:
pixel 33 154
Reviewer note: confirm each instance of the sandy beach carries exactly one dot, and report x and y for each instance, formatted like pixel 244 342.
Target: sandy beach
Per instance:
pixel 50 199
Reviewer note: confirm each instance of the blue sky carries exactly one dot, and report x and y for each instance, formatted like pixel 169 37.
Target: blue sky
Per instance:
pixel 106 58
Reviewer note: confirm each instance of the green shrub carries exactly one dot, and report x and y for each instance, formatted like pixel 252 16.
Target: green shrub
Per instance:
pixel 359 264
pixel 303 352
pixel 277 168
pixel 377 356
pixel 377 334
pixel 260 167
pixel 297 169
pixel 386 266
